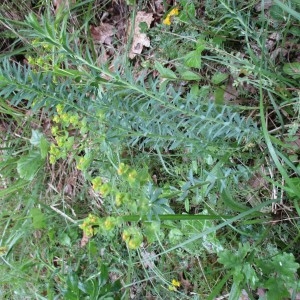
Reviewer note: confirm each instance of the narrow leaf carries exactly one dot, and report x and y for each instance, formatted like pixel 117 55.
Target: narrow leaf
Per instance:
pixel 189 75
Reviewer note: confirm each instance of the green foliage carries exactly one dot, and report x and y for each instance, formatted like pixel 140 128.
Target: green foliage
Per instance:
pixel 292 69
pixel 38 218
pixel 118 177
pixel 94 288
pixel 276 274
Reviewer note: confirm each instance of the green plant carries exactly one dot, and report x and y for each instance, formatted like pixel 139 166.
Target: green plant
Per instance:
pixel 185 151
pixel 275 274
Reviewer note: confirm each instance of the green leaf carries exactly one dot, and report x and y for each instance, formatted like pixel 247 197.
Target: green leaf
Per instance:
pixel 292 69
pixel 64 239
pixel 189 75
pixel 18 185
pixel 231 203
pixel 72 292
pixel 195 91
pixel 38 218
pixel 219 95
pixel 35 137
pixel 193 59
pixel 276 289
pixel 175 235
pixel 164 72
pixel 28 165
pixel 285 265
pixel 277 13
pixel 250 274
pixel 295 31
pixel 143 27
pixel 219 77
pixel 234 260
pixel 44 147
pixel 188 12
pixel 38 139
pixel 67 72
pixel 288 9
pixel 130 2
pixel 228 259
pixel 235 291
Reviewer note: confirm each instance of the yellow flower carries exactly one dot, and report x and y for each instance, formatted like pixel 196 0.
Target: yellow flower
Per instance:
pixel 175 283
pixel 97 182
pixel 65 117
pixel 109 223
pixel 120 198
pixel 104 189
pixel 74 119
pixel 52 159
pixel 132 175
pixel 133 244
pixel 3 250
pixel 126 235
pixel 54 130
pixel 173 12
pixel 59 108
pixel 56 119
pixel 167 21
pixel 122 169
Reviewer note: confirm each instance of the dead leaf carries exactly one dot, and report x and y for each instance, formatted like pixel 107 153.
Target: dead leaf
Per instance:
pixel 148 259
pixel 61 4
pixel 272 40
pixel 231 92
pixel 159 6
pixel 103 33
pixel 244 296
pixel 84 240
pixel 140 39
pixel 263 5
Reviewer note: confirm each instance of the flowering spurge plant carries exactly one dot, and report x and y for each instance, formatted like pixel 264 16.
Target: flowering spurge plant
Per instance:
pixel 64 123
pixel 134 203
pixel 138 201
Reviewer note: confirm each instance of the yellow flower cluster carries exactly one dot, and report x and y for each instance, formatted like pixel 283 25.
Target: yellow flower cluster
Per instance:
pixel 174 285
pixel 129 173
pixel 64 123
pixel 103 188
pixel 133 237
pixel 88 225
pixel 109 223
pixel 172 12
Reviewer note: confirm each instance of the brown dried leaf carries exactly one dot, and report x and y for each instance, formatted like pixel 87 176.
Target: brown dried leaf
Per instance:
pixel 148 259
pixel 244 296
pixel 84 240
pixel 159 6
pixel 140 39
pixel 263 5
pixel 61 4
pixel 103 33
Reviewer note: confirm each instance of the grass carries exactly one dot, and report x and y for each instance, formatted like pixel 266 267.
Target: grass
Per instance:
pixel 173 174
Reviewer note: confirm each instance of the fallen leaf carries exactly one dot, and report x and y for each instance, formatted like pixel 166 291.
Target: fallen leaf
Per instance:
pixel 140 39
pixel 244 296
pixel 84 240
pixel 159 6
pixel 61 4
pixel 263 5
pixel 148 259
pixel 103 33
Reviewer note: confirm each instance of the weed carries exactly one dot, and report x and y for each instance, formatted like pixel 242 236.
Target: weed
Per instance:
pixel 170 174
